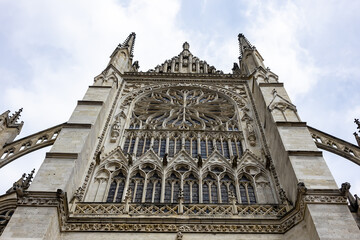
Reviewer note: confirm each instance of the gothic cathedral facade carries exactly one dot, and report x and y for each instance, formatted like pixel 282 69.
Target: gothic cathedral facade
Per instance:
pixel 182 151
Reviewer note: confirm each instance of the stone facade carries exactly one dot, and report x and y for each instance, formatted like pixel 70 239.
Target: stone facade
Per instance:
pixel 183 151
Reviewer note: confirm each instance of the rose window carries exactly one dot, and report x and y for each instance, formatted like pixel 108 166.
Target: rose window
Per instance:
pixel 188 109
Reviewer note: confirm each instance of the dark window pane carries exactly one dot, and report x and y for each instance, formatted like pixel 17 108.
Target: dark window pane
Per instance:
pixel 251 194
pixel 203 148
pixel 214 193
pixel 232 189
pixel 240 148
pixel 176 192
pixel 163 147
pixel 243 194
pixel 195 193
pixel 157 194
pixel 132 187
pixel 186 192
pixel 132 146
pixel 171 147
pixel 224 194
pixel 139 191
pixel 140 147
pixel 126 145
pixel 206 198
pixel 218 146
pixel 147 144
pixel 178 145
pixel 156 146
pixel 120 191
pixel 187 146
pixel 112 190
pixel 226 149
pixel 210 146
pixel 167 192
pixel 194 148
pixel 233 146
pixel 149 191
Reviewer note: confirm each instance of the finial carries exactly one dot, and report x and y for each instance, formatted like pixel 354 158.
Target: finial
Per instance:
pixel 15 116
pixel 357 138
pixel 356 120
pixel 186 46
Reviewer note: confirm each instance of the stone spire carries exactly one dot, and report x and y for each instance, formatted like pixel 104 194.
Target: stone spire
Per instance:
pixel 244 44
pixel 129 43
pixel 122 56
pixel 249 59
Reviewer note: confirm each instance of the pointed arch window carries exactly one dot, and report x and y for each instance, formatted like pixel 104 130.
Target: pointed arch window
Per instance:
pixel 227 188
pixel 247 192
pixel 191 189
pixel 137 187
pixel 116 188
pixel 153 189
pixel 209 189
pixel 172 187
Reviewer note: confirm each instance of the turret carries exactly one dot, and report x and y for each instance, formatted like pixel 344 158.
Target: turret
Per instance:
pixel 122 56
pixel 249 59
pixel 9 127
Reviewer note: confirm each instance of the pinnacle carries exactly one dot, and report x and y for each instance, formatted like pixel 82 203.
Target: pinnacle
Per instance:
pixel 15 116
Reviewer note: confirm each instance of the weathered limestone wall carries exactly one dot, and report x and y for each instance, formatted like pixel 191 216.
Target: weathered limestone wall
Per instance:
pixel 33 223
pixel 65 165
pixel 297 159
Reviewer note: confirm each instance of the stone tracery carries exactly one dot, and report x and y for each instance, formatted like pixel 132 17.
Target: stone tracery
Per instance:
pixel 190 109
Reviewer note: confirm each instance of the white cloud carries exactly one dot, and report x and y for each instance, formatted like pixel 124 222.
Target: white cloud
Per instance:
pixel 276 31
pixel 65 45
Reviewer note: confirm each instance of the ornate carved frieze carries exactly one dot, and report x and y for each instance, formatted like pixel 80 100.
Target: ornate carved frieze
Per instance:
pixel 130 217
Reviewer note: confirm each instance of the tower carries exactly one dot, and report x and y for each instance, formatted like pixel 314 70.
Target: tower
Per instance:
pixel 182 151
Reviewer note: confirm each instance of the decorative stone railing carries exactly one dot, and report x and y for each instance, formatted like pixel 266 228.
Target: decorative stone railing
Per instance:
pixel 201 210
pixel 335 145
pixel 180 217
pixel 25 145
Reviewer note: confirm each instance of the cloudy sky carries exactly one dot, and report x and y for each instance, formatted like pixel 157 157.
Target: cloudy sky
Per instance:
pixel 50 51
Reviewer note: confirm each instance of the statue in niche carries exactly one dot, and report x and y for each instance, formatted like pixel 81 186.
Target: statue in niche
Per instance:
pixel 234 162
pixel 115 131
pixel 165 160
pixel 116 127
pixel 251 134
pixel 199 162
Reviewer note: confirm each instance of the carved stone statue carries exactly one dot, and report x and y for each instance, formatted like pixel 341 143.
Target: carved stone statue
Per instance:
pixel 165 160
pixel 199 162
pixel 115 131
